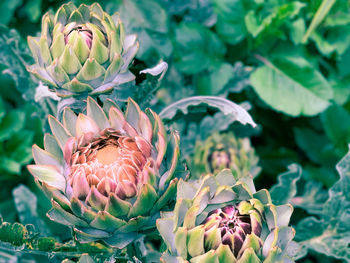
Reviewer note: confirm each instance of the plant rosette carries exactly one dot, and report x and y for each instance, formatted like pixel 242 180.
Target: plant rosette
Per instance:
pixel 82 51
pixel 108 177
pixel 224 219
pixel 225 150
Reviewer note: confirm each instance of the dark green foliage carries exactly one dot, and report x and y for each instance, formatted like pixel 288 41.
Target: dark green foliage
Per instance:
pixel 286 62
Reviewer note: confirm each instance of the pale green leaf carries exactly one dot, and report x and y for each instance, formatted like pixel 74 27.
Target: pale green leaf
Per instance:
pixel 292 86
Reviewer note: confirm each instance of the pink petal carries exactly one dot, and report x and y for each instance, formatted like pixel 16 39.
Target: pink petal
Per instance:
pixel 68 150
pixel 143 145
pixel 80 186
pixel 85 125
pixel 145 127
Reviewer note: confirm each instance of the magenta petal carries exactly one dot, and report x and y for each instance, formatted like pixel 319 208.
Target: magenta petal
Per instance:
pixel 255 226
pixel 227 239
pixel 237 243
pixel 229 210
pixel 240 232
pixel 246 228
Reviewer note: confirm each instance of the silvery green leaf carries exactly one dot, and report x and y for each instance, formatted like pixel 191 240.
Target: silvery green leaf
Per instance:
pixel 26 205
pixel 330 234
pixel 224 105
pixel 286 189
pixel 160 68
pixel 42 91
pixel 14 55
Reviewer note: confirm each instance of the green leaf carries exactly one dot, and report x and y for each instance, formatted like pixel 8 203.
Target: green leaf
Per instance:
pixel 336 123
pixel 343 65
pixel 334 40
pixel 322 11
pixel 11 123
pixel 312 199
pixel 230 22
pixel 316 146
pixel 273 21
pixel 19 147
pixel 10 166
pixel 322 174
pixel 7 9
pixel 33 10
pixel 197 48
pixel 286 188
pixel 341 90
pixel 292 86
pixel 297 30
pixel 213 83
pixel 224 105
pixel 150 22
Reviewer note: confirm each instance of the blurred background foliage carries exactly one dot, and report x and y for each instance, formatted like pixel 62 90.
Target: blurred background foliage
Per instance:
pixel 289 59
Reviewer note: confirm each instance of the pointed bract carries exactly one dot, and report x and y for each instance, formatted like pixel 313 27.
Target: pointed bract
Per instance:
pixel 104 173
pixel 82 49
pixel 238 228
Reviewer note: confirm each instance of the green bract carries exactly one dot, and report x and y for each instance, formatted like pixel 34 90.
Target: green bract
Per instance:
pixel 222 151
pixel 108 177
pixel 222 219
pixel 82 51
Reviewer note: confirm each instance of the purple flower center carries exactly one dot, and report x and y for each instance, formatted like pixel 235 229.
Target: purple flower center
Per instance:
pixel 233 226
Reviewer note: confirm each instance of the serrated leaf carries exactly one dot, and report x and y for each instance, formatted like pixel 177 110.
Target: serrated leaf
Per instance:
pixel 286 188
pixel 26 205
pixel 15 56
pixel 330 235
pixel 312 199
pixel 197 48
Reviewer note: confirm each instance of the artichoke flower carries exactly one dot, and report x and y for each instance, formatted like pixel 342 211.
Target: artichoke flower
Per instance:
pixel 107 178
pixel 82 51
pixel 221 151
pixel 223 219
